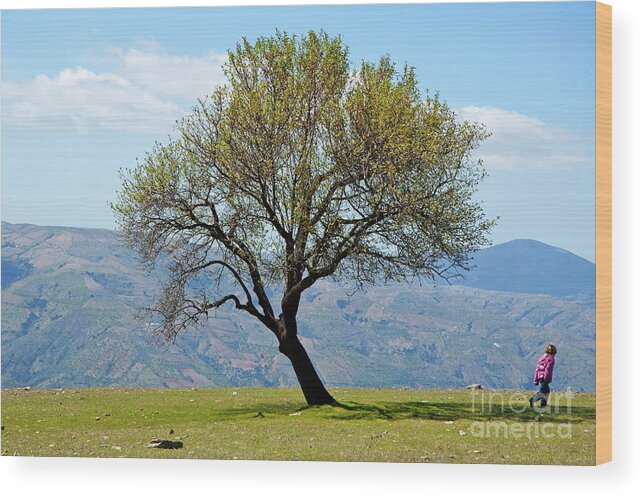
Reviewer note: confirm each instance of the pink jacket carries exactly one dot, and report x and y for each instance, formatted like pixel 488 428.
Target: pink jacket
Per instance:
pixel 544 369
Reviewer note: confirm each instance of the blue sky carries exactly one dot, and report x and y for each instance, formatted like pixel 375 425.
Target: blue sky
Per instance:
pixel 85 92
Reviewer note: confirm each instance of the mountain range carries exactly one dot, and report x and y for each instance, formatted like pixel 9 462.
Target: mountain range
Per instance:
pixel 71 299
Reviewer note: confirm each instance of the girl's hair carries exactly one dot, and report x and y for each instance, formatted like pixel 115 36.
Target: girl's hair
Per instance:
pixel 550 349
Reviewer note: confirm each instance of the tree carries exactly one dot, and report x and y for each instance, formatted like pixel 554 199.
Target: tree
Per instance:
pixel 301 168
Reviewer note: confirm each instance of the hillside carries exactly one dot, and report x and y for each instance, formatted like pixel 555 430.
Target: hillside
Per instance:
pixel 70 298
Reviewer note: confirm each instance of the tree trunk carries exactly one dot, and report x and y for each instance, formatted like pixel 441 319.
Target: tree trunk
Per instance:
pixel 311 385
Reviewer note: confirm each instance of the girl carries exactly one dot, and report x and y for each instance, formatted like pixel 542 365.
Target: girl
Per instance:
pixel 543 375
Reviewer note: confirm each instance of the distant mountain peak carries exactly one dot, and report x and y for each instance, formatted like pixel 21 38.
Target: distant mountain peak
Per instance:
pixel 530 266
pixel 529 243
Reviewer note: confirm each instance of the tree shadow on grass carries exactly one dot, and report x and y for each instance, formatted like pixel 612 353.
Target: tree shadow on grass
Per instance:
pixel 393 411
pixel 451 411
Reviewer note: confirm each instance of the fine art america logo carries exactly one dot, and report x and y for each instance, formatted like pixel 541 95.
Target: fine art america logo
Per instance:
pixel 521 421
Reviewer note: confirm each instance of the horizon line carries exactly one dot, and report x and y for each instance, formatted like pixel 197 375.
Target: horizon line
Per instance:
pixel 114 230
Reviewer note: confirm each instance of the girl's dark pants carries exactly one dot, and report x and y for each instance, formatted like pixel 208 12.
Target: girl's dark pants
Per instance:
pixel 543 393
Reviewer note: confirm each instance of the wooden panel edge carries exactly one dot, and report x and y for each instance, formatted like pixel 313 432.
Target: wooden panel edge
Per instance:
pixel 603 233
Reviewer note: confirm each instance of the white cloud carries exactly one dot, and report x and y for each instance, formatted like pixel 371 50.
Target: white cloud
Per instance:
pixel 144 91
pixel 522 142
pixel 82 100
pixel 172 76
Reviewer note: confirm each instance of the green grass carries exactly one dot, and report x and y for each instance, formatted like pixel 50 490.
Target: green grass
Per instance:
pixel 264 423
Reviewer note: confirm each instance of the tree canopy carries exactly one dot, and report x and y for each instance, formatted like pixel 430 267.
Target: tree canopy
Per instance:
pixel 302 168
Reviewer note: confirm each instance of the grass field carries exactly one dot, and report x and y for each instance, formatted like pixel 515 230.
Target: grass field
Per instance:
pixel 455 426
